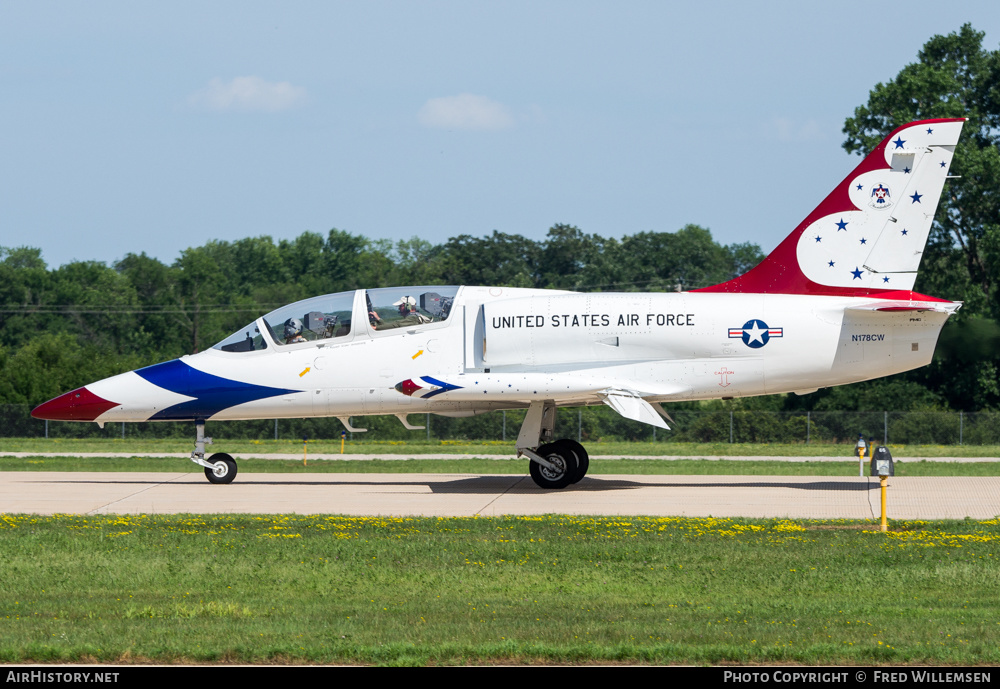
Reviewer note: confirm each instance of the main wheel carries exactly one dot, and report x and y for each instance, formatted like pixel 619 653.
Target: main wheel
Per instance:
pixel 224 470
pixel 564 468
pixel 582 458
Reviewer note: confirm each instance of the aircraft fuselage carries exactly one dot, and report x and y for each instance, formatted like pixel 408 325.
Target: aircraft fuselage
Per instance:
pixel 503 348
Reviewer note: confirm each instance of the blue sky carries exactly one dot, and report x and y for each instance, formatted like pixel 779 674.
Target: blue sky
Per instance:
pixel 153 127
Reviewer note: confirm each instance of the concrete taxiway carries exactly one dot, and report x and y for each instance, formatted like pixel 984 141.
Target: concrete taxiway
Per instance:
pixel 799 497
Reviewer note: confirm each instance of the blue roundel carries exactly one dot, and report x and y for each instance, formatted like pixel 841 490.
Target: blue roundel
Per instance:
pixel 755 333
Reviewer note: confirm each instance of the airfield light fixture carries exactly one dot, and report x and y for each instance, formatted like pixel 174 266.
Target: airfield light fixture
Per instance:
pixel 860 448
pixel 882 464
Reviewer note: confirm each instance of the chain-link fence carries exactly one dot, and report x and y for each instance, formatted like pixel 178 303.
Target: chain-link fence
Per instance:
pixel 585 424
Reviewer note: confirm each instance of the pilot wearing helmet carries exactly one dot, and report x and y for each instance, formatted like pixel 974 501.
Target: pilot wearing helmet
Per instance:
pixel 408 315
pixel 293 331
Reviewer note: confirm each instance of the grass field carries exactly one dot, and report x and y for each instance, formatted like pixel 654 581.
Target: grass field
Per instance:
pixel 301 589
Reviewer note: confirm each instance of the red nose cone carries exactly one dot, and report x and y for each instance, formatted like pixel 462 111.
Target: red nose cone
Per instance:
pixel 79 405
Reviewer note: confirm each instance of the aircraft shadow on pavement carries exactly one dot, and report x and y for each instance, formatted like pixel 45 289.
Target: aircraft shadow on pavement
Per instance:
pixel 598 484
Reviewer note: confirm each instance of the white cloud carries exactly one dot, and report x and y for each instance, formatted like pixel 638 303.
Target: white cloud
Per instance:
pixel 465 111
pixel 248 93
pixel 786 129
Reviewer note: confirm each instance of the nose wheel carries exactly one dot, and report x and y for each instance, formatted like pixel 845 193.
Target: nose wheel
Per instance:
pixel 223 469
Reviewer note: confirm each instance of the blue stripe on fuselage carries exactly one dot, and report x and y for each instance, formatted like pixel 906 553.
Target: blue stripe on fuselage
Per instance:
pixel 211 393
pixel 445 387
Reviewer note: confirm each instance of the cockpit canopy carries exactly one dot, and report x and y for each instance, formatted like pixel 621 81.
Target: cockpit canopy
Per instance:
pixel 408 307
pixel 332 316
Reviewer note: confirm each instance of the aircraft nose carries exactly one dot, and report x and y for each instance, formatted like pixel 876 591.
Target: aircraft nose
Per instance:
pixel 77 405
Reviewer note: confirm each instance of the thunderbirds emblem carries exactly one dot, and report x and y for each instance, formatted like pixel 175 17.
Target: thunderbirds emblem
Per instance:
pixel 755 333
pixel 880 197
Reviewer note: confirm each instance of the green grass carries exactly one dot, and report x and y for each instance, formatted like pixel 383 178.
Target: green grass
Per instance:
pixel 678 467
pixel 556 589
pixel 419 446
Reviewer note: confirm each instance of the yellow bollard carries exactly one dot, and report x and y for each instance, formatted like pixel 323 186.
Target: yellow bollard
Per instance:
pixel 304 441
pixel 884 480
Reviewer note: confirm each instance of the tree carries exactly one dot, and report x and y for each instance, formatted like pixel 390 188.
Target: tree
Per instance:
pixel 24 283
pixel 203 280
pixel 500 259
pixel 157 331
pixel 688 257
pixel 955 77
pixel 414 263
pixel 565 255
pixel 305 263
pixel 343 254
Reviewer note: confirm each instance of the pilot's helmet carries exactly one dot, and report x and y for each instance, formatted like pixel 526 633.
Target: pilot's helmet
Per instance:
pixel 293 327
pixel 408 301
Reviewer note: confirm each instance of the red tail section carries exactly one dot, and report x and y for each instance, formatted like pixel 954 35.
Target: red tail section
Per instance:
pixel 868 235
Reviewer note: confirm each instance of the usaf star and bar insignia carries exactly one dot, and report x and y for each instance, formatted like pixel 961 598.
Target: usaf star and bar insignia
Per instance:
pixel 755 333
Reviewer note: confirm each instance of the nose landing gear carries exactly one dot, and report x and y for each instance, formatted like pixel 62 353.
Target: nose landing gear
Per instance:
pixel 220 467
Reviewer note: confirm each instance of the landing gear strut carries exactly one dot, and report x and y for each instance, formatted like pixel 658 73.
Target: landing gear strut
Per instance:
pixel 554 464
pixel 220 467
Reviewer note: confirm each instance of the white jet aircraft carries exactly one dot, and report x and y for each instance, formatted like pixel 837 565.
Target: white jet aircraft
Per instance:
pixel 832 304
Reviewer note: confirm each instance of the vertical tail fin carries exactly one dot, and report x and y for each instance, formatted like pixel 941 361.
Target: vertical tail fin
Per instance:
pixel 868 235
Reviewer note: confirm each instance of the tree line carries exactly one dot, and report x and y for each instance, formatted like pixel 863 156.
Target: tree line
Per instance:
pixel 65 327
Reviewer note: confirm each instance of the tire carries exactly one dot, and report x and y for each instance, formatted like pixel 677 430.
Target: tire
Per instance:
pixel 554 479
pixel 225 468
pixel 582 458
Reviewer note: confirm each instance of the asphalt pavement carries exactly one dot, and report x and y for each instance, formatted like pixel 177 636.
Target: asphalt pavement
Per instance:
pixel 799 497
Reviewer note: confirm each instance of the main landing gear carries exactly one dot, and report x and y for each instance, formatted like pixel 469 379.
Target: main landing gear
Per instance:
pixel 554 464
pixel 220 467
